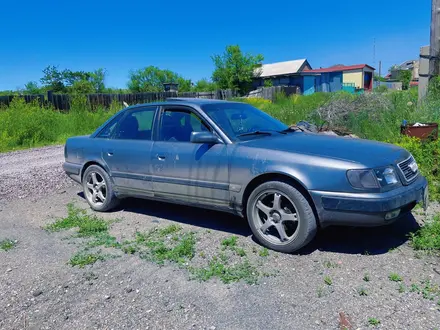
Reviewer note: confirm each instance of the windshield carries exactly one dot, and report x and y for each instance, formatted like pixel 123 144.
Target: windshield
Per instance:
pixel 237 119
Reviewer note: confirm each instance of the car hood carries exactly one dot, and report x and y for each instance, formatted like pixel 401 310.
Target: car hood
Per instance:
pixel 365 152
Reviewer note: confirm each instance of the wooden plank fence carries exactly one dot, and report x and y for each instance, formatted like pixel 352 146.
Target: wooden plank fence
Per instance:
pixel 62 102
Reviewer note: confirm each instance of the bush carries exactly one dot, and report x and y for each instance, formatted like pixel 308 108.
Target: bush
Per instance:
pixel 26 125
pixel 381 89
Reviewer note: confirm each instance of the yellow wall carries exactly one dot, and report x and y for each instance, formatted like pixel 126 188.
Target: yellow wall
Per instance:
pixel 355 76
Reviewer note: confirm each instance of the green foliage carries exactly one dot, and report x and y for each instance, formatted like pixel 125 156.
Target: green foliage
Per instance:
pixel 82 87
pixel 88 225
pixel 230 242
pixel 7 244
pixel 26 125
pixel 268 83
pixel 373 321
pixel 32 88
pixel 236 70
pixel 82 259
pixel 227 273
pixel 328 280
pixel 204 85
pixel 366 277
pixel 428 237
pixel 405 77
pixel 264 252
pixel 73 81
pixel 381 89
pixel 362 292
pixel 379 78
pixel 394 277
pixel 151 79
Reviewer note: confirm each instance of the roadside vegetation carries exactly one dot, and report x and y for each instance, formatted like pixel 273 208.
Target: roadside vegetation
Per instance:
pixel 171 245
pixel 7 244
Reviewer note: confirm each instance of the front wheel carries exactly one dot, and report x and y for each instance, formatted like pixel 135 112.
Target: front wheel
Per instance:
pixel 98 189
pixel 280 217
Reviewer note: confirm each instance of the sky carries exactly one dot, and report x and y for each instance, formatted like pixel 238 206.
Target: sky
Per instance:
pixel 183 35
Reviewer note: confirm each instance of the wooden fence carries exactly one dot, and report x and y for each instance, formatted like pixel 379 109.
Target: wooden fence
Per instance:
pixel 63 101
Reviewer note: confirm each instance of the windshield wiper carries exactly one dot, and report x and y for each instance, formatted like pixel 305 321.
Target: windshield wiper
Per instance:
pixel 255 133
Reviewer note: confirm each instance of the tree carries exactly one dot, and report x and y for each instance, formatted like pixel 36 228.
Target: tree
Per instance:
pixel 151 79
pixel 82 87
pixel 235 70
pixel 204 85
pixel 379 78
pixel 32 88
pixel 53 79
pixel 97 79
pixel 405 77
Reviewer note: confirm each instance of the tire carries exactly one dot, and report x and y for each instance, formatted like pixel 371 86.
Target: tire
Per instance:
pixel 95 180
pixel 285 223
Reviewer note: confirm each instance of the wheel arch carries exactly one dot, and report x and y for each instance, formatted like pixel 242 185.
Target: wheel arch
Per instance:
pixel 90 163
pixel 277 176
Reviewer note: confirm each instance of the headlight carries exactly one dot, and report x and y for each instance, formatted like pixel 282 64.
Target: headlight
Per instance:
pixel 363 179
pixel 386 176
pixel 373 179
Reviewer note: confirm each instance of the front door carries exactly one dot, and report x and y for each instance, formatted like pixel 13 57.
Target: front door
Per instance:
pixel 189 172
pixel 128 153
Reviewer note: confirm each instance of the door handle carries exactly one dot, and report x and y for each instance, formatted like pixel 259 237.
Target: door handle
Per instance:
pixel 110 152
pixel 161 157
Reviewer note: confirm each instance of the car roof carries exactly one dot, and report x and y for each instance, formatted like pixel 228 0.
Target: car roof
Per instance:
pixel 185 101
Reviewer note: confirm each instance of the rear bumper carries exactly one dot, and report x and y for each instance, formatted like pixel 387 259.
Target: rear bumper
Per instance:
pixel 73 171
pixel 368 209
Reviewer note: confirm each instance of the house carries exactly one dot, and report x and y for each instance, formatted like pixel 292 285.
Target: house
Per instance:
pixel 411 65
pixel 282 73
pixel 339 77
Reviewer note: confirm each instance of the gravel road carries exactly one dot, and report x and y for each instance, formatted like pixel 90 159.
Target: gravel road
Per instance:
pixel 32 172
pixel 310 290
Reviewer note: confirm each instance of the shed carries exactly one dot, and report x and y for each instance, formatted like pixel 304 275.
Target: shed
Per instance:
pixel 360 75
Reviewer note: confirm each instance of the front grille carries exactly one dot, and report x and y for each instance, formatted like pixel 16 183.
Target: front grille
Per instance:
pixel 406 169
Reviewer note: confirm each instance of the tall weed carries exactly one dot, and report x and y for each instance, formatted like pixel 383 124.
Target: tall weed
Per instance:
pixel 26 125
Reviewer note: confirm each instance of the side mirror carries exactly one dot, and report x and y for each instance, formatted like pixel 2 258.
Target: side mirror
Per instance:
pixel 204 137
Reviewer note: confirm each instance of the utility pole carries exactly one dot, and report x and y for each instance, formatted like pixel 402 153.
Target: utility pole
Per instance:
pixel 435 40
pixel 380 71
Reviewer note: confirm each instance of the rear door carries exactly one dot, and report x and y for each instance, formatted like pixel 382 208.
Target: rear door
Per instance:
pixel 128 152
pixel 190 172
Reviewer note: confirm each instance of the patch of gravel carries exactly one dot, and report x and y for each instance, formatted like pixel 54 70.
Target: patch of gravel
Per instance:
pixel 32 172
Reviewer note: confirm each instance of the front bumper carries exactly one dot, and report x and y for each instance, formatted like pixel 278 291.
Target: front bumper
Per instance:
pixel 73 171
pixel 366 209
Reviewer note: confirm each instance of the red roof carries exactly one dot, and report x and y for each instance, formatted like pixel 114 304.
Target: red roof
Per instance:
pixel 340 68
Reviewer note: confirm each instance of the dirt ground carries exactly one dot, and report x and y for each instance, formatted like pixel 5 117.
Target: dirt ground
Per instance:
pixel 344 271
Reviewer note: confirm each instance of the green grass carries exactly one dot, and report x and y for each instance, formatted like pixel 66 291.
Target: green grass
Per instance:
pixel 88 225
pixel 179 249
pixel 25 125
pixel 82 259
pixel 328 280
pixel 373 321
pixel 366 277
pixel 229 242
pixel 394 277
pixel 7 244
pixel 227 273
pixel 427 238
pixel 264 252
pixel 362 292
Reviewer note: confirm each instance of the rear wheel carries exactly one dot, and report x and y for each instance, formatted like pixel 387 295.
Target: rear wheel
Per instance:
pixel 98 189
pixel 280 217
